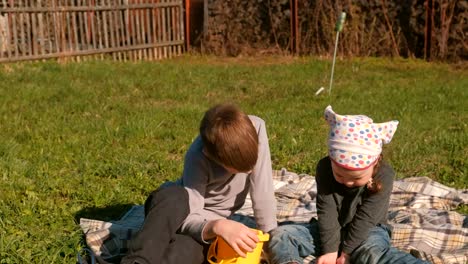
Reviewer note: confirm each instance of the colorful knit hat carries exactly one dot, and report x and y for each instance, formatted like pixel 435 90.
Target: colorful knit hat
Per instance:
pixel 355 141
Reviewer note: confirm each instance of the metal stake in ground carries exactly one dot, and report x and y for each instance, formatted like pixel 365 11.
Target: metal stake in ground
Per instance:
pixel 338 28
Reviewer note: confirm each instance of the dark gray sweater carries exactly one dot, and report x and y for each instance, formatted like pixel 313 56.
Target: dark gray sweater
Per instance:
pixel 346 215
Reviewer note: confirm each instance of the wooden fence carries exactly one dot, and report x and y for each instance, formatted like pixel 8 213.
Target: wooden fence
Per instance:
pixel 123 29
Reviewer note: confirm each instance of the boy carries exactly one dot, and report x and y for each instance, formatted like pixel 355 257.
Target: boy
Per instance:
pixel 229 159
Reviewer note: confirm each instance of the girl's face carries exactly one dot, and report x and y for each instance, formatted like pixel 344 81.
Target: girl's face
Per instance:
pixel 352 178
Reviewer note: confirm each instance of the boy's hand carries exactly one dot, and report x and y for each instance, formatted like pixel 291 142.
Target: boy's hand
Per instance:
pixel 343 259
pixel 329 258
pixel 241 238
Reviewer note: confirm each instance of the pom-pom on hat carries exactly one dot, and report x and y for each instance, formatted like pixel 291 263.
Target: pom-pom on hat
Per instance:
pixel 355 141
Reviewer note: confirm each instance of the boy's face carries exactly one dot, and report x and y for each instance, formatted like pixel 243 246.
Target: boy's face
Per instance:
pixel 352 178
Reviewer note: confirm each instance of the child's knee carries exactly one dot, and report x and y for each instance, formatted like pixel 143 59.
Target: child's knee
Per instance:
pixel 371 251
pixel 288 232
pixel 170 196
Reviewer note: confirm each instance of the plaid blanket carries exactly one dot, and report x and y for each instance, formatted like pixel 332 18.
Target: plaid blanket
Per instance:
pixel 420 213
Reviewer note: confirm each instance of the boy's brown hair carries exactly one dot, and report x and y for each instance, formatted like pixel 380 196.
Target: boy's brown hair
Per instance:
pixel 229 137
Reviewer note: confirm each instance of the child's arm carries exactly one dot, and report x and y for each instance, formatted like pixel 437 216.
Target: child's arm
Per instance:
pixel 195 179
pixel 329 227
pixel 261 182
pixel 372 210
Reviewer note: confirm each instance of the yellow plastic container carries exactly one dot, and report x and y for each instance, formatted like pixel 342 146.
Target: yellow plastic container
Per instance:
pixel 221 253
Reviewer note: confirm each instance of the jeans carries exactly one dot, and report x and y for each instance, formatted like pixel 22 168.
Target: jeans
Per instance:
pixel 378 250
pixel 158 241
pixel 292 243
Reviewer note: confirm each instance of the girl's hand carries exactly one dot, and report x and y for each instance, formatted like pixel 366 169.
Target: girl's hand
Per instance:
pixel 329 258
pixel 241 238
pixel 343 259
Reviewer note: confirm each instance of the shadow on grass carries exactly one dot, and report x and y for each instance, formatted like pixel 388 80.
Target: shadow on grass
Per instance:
pixel 108 213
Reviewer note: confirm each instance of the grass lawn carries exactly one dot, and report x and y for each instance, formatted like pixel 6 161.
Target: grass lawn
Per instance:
pixel 91 139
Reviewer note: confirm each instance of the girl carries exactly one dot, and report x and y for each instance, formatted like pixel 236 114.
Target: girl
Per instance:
pixel 353 192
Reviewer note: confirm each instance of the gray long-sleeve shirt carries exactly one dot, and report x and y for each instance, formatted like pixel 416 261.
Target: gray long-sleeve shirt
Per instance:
pixel 214 193
pixel 346 215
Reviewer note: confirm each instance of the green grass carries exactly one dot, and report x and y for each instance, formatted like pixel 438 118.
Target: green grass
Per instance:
pixel 91 139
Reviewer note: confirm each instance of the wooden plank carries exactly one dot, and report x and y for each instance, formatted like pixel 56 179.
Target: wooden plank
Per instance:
pixel 122 32
pixel 87 27
pixel 8 33
pixel 164 31
pixel 119 39
pixel 34 33
pixel 29 38
pixel 69 30
pixel 6 40
pixel 144 30
pixel 176 29
pixel 149 38
pixel 22 32
pixel 173 29
pixel 82 28
pixel 74 25
pixel 174 23
pixel 161 30
pixel 142 16
pixel 141 30
pixel 40 28
pixel 184 28
pixel 136 15
pixel 48 31
pixel 154 39
pixel 112 30
pixel 99 29
pixel 170 28
pixel 116 33
pixel 133 34
pixel 57 26
pixel 92 19
pixel 136 31
pixel 105 28
pixel 63 28
pixel 14 34
pixel 128 31
pixel 3 41
pixel 80 40
pixel 180 19
pixel 31 32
